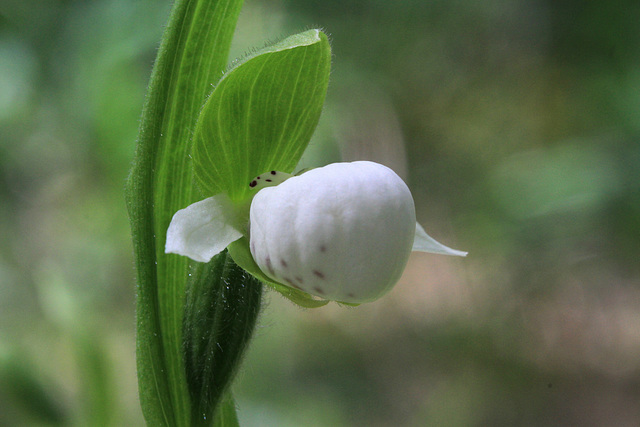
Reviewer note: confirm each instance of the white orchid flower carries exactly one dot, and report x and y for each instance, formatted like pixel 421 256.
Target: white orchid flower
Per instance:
pixel 343 232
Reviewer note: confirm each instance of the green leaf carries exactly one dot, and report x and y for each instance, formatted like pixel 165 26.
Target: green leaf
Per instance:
pixel 261 115
pixel 223 303
pixel 191 58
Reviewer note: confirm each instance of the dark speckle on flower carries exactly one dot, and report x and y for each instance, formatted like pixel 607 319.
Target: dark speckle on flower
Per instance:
pixel 267 261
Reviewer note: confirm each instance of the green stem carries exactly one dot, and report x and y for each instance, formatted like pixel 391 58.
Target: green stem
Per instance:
pixel 222 307
pixel 191 58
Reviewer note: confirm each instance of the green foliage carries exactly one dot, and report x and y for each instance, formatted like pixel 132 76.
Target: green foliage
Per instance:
pixel 261 115
pixel 191 58
pixel 223 302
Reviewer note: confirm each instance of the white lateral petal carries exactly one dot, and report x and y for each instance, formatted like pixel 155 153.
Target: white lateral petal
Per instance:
pixel 203 229
pixel 425 243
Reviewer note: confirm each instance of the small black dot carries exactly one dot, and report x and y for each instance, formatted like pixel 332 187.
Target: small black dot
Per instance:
pixel 253 183
pixel 273 172
pixel 268 180
pixel 318 290
pixel 319 274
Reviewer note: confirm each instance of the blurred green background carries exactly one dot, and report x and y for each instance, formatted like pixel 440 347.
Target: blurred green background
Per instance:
pixel 515 123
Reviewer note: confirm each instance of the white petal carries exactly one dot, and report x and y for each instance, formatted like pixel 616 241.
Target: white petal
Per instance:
pixel 203 229
pixel 425 243
pixel 342 232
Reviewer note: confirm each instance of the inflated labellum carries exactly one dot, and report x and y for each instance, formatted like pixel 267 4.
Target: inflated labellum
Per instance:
pixel 343 232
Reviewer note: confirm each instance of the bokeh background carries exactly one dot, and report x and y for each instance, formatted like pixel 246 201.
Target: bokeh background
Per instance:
pixel 516 124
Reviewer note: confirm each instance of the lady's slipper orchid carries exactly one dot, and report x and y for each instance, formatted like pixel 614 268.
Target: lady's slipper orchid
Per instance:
pixel 342 232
